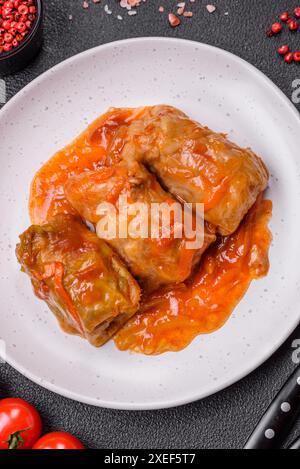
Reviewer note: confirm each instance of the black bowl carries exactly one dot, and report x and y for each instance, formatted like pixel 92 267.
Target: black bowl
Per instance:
pixel 18 58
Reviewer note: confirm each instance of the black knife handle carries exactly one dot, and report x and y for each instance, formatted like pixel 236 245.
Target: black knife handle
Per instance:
pixel 279 418
pixel 296 444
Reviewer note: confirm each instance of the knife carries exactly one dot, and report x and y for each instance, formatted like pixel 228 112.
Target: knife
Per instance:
pixel 274 426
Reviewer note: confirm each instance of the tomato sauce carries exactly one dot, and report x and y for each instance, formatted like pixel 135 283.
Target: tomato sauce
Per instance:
pixel 87 152
pixel 171 318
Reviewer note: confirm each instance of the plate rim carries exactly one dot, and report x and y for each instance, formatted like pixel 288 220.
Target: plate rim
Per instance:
pixel 234 378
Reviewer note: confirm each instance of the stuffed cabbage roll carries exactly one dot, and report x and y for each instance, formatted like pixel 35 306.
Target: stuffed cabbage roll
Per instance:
pixel 82 280
pixel 197 165
pixel 154 261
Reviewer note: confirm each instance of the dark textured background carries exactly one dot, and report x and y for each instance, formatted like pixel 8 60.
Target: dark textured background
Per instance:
pixel 223 420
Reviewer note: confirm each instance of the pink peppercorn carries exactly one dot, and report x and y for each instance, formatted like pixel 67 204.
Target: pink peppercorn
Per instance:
pixel 16 20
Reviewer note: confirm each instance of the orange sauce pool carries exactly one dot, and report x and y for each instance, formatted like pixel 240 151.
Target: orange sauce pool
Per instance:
pixel 170 319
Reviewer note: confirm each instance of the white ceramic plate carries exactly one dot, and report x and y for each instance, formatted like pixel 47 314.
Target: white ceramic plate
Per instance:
pixel 221 91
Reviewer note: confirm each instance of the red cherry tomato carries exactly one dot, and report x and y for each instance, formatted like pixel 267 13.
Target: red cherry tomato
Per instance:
pixel 58 440
pixel 20 424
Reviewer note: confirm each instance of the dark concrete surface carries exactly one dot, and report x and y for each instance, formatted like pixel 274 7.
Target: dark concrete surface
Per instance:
pixel 226 419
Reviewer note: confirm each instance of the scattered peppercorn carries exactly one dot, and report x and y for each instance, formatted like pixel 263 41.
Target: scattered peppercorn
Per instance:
pixel 276 28
pixel 174 20
pixel 16 20
pixel 283 50
pixel 293 25
pixel 297 12
pixel 284 16
pixel 289 57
